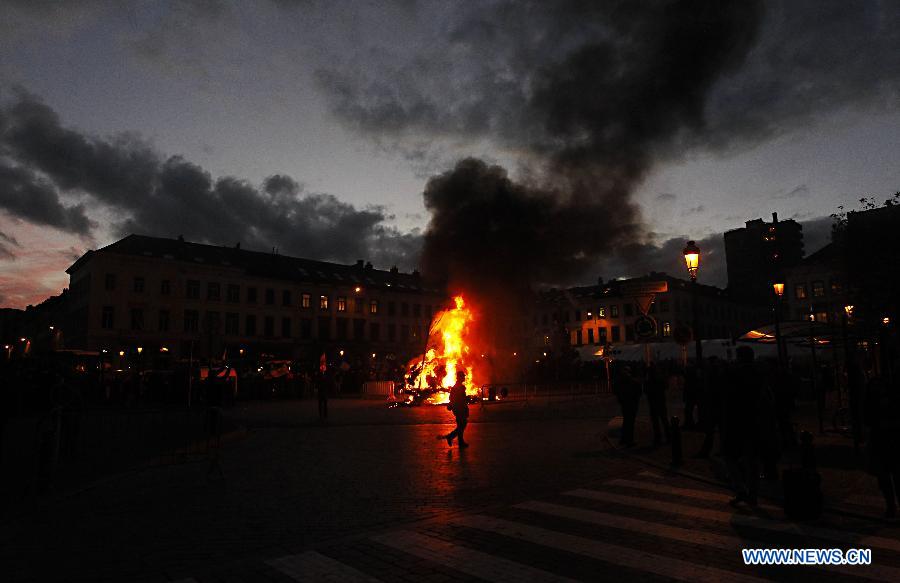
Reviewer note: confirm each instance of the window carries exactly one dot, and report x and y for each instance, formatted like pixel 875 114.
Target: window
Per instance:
pixel 286 297
pixel 629 309
pixel 590 335
pixel 427 311
pixel 614 311
pixel 837 287
pixel 212 323
pixel 601 335
pixel 373 307
pixel 341 304
pixel 601 312
pixel 193 289
pixel 404 309
pixel 269 326
pixel 578 337
pixel 666 329
pixel 110 282
pixel 250 325
pixel 577 314
pixel 374 332
pixel 359 329
pixel 822 317
pixel 800 291
pixel 323 303
pixel 106 319
pixel 417 310
pixel 818 289
pixel 664 305
pixel 341 328
pixel 358 305
pixel 165 287
pixel 392 332
pixel 270 296
pixel 305 301
pixel 191 320
pixel 251 295
pixel 231 323
pixel 392 309
pixel 325 329
pixel 163 321
pixel 652 309
pixel 306 328
pixel 615 334
pixel 213 291
pixel 285 327
pixel 629 332
pixel 137 319
pixel 138 285
pixel 233 293
pixel 404 333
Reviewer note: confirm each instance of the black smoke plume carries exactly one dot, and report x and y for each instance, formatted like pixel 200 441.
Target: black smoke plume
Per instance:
pixel 596 121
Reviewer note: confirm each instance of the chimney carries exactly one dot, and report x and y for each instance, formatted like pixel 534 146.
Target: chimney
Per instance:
pixel 368 266
pixel 394 270
pixel 774 217
pixel 359 263
pixel 237 245
pixel 600 280
pixel 181 238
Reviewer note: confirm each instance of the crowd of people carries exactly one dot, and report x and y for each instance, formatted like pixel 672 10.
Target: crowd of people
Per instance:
pixel 749 406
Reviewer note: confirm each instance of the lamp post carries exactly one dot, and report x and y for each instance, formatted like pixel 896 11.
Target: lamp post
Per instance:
pixel 778 288
pixel 692 261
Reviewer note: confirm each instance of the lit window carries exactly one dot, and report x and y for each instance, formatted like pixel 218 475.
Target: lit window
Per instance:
pixel 667 329
pixel 305 301
pixel 323 302
pixel 614 311
pixel 373 307
pixel 341 304
pixel 818 289
pixel 800 291
pixel 601 312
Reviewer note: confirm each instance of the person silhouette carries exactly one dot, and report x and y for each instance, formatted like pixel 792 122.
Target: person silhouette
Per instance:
pixel 459 406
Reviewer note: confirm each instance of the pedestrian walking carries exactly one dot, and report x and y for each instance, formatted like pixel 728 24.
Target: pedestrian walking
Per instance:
pixel 711 406
pixel 691 395
pixel 655 389
pixel 628 392
pixel 323 388
pixel 459 406
pixel 882 417
pixel 740 441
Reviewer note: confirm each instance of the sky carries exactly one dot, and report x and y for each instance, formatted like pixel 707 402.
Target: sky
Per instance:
pixel 581 139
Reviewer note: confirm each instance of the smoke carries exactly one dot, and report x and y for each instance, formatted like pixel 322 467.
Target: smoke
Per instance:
pixel 44 165
pixel 592 123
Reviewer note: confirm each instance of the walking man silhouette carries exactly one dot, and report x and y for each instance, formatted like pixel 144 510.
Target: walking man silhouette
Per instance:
pixel 460 408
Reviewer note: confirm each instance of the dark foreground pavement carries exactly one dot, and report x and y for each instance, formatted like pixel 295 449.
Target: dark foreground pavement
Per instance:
pixel 538 496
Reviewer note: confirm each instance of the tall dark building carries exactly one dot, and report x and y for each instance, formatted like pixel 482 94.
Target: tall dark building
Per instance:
pixel 758 253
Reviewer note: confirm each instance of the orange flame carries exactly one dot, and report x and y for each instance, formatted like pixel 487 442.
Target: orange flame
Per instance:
pixel 448 353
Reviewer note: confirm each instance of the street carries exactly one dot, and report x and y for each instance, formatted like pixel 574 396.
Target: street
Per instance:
pixel 539 495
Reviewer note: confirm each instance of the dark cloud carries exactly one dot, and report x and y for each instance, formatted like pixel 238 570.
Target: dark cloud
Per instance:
pixel 168 197
pixel 26 196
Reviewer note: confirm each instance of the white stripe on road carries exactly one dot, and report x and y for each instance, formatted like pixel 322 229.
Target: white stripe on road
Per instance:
pixel 313 566
pixel 683 492
pixel 856 539
pixel 614 554
pixel 463 559
pixel 692 536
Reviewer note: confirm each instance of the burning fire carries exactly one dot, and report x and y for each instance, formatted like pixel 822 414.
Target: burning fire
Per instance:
pixel 447 352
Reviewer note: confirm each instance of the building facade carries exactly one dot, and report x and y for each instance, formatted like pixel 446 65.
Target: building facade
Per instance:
pixel 605 314
pixel 185 298
pixel 759 253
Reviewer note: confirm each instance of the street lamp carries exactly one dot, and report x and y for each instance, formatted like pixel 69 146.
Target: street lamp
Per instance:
pixel 692 261
pixel 778 288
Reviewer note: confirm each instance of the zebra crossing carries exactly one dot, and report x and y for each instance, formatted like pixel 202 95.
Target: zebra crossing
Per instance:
pixel 647 527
